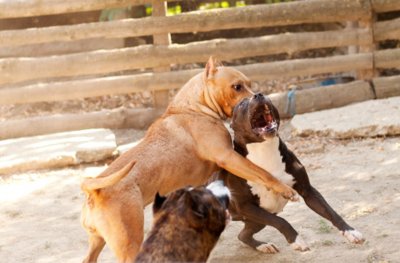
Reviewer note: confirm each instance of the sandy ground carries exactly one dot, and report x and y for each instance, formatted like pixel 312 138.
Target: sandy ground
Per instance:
pixel 39 212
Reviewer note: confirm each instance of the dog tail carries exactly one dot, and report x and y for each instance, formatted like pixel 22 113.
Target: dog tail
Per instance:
pixel 91 184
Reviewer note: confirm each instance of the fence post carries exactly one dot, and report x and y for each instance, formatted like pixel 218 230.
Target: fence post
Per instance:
pixel 354 49
pixel 368 23
pixel 160 9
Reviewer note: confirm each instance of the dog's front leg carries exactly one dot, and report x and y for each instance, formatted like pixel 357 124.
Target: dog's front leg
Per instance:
pixel 318 204
pixel 219 150
pixel 244 168
pixel 314 199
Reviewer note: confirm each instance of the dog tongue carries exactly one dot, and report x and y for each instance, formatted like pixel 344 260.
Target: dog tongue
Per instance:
pixel 268 118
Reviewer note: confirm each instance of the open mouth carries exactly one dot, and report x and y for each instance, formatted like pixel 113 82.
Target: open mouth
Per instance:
pixel 263 121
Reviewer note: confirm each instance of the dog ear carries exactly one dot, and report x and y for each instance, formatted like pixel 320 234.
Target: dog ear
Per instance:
pixel 158 202
pixel 211 68
pixel 196 212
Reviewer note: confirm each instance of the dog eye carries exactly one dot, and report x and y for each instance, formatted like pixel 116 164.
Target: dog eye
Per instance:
pixel 237 87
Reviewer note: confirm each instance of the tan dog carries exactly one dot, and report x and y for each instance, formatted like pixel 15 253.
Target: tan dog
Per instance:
pixel 184 147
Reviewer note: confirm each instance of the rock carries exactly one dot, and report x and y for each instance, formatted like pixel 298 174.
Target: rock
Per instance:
pixel 366 119
pixel 56 150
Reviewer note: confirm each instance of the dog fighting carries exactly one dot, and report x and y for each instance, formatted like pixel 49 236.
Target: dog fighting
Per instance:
pixel 262 173
pixel 199 131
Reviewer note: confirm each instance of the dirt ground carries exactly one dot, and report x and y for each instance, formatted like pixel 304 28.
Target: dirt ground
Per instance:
pixel 39 212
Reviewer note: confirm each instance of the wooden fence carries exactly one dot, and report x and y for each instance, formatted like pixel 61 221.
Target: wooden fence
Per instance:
pixel 98 72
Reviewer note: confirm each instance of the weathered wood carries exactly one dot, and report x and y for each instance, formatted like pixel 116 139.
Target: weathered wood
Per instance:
pixel 306 100
pixel 368 24
pixel 387 86
pixel 306 67
pixel 387 30
pixel 120 118
pixel 147 56
pixel 25 8
pixel 387 58
pixel 78 89
pixel 161 98
pixel 57 48
pixel 320 11
pixel 381 6
pixel 352 49
pixel 326 97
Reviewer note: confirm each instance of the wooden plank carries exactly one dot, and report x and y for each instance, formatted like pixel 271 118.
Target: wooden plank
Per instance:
pixel 387 86
pixel 307 67
pixel 147 56
pixel 387 58
pixel 161 98
pixel 119 118
pixel 306 101
pixel 385 30
pixel 326 97
pixel 381 6
pixel 320 11
pixel 58 48
pixel 26 8
pixel 78 89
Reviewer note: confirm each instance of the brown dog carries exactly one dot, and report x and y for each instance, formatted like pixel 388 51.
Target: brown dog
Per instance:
pixel 186 224
pixel 184 147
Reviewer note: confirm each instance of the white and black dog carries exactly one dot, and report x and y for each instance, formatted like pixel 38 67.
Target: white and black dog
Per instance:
pixel 255 123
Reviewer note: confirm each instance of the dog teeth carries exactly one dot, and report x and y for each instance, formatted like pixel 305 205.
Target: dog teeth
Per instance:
pixel 266 110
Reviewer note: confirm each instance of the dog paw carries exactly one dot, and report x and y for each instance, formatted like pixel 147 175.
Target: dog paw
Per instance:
pixel 353 236
pixel 268 248
pixel 299 244
pixel 295 197
pixel 289 193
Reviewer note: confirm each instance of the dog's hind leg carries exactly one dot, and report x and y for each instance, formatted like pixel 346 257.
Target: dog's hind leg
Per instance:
pixel 122 226
pixel 246 236
pixel 260 216
pixel 96 244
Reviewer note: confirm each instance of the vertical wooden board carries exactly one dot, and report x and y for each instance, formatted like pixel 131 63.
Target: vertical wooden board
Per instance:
pixel 368 23
pixel 160 9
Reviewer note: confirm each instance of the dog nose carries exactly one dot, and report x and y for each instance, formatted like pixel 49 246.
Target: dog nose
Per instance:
pixel 258 96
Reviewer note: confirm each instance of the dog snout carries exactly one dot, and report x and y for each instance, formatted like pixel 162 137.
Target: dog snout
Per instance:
pixel 258 96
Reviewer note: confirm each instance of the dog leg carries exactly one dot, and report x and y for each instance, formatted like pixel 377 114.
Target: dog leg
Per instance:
pixel 316 202
pixel 314 199
pixel 246 236
pixel 124 231
pixel 262 217
pixel 96 244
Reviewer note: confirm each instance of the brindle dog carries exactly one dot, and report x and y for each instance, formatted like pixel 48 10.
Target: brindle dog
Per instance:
pixel 187 224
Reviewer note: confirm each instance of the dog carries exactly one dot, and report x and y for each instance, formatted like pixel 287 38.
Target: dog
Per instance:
pixel 255 124
pixel 187 224
pixel 185 146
